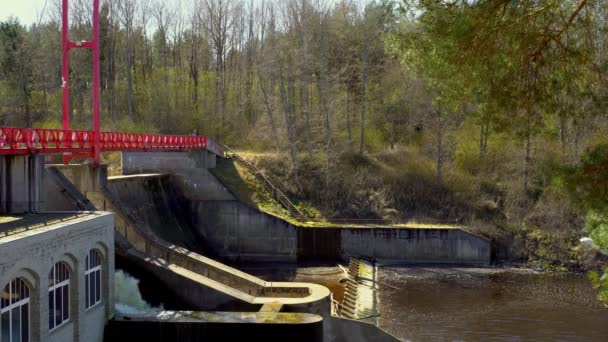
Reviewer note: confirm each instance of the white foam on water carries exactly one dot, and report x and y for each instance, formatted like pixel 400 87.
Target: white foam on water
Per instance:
pixel 127 297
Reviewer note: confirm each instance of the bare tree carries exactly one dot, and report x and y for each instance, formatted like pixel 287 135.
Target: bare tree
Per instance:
pixel 127 13
pixel 195 46
pixel 286 93
pixel 217 21
pixel 265 64
pixel 250 55
pixel 109 32
pixel 146 59
pixel 176 33
pixel 164 17
pixel 439 155
pixel 298 15
pixel 363 109
pixel 322 71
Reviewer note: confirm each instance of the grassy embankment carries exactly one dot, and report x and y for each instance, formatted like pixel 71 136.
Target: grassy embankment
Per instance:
pixel 400 188
pixel 251 192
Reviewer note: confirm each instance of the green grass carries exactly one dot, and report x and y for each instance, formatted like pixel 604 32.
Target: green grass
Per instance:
pixel 248 190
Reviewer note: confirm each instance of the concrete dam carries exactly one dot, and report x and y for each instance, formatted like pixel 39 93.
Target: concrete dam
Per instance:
pixel 176 220
pixel 235 231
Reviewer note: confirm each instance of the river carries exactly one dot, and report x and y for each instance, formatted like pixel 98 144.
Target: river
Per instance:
pixel 474 304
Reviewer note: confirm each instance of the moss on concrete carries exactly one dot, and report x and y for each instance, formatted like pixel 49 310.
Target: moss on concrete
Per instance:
pixel 247 189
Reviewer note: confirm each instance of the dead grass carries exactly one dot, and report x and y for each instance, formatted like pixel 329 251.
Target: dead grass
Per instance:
pixel 248 190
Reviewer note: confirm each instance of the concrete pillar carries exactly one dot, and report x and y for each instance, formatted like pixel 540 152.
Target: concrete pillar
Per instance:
pixel 211 160
pixel 88 179
pixel 22 184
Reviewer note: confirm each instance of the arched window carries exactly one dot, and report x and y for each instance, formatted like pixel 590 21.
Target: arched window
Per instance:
pixel 59 295
pixel 15 312
pixel 92 278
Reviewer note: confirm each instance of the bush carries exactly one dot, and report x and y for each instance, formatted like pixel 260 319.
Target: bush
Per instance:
pixel 600 282
pixel 597 227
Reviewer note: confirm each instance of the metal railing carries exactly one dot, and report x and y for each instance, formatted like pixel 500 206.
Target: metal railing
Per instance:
pixel 275 192
pixel 15 141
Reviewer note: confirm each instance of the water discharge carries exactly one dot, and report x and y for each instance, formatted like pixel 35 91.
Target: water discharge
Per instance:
pixel 128 298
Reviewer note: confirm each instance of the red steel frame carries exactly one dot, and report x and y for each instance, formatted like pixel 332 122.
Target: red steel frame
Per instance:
pixel 67 45
pixel 38 140
pixel 89 144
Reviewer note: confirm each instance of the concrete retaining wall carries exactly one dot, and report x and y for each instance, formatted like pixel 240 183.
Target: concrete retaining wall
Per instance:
pixel 393 245
pixel 155 162
pixel 187 289
pixel 341 329
pixel 421 245
pixel 234 231
pixel 237 232
pixel 220 326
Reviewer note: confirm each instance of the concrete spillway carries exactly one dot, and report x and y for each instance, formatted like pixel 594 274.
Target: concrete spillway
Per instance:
pixel 154 232
pixel 153 202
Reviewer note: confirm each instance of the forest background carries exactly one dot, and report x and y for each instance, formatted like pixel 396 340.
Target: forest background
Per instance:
pixel 488 113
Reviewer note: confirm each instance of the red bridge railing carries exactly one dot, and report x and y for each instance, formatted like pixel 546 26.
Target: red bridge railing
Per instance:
pixel 37 140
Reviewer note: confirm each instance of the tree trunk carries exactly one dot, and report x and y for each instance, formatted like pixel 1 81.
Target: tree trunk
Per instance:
pixel 129 61
pixel 528 151
pixel 111 77
pixel 290 122
pixel 304 79
pixel 363 104
pixel 249 71
pixel 269 110
pixel 562 133
pixel 393 131
pixel 323 89
pixel 439 147
pixel 348 123
pixel 575 133
pixel 483 141
pixel 222 101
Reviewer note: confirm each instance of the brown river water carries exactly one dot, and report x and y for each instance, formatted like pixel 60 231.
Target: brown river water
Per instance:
pixel 473 304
